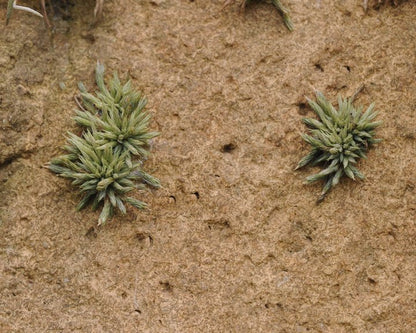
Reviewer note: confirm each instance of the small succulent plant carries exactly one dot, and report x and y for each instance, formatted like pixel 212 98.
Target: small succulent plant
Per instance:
pixel 338 139
pixel 102 175
pixel 105 162
pixel 118 115
pixel 283 11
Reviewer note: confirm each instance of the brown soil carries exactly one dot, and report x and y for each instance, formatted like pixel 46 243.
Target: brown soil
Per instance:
pixel 234 242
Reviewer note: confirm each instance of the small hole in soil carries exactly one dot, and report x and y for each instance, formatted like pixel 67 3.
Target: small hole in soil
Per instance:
pixel 267 305
pixel 138 311
pixel 228 148
pixel 220 225
pixel 348 68
pixel 10 160
pixel 91 233
pixel 166 286
pixel 371 281
pixel 140 236
pixel 391 233
pixel 319 67
pixel 88 37
pixel 196 194
pixel 173 198
pixel 124 294
pixel 62 9
pixel 218 176
pixel 302 108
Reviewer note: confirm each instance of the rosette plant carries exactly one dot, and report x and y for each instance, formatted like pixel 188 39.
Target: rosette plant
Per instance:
pixel 338 139
pixel 105 162
pixel 102 175
pixel 118 116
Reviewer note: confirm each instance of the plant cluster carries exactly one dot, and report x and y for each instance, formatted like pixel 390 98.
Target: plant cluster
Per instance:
pixel 118 116
pixel 338 139
pixel 283 11
pixel 106 161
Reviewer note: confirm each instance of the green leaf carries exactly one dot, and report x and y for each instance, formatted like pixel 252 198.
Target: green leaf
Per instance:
pixel 136 203
pixel 85 200
pixel 322 174
pixel 349 172
pixel 103 184
pixel 284 12
pixel 112 196
pixel 313 123
pixel 105 213
pixel 9 10
pixel 337 176
pixel 307 159
pixel 57 168
pixel 150 180
pixel 356 172
pixel 325 189
pixel 120 205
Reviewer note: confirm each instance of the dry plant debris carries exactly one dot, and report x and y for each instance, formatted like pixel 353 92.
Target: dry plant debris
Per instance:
pixel 12 4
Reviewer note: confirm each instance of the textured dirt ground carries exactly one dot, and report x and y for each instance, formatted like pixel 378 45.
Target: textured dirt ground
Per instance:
pixel 234 242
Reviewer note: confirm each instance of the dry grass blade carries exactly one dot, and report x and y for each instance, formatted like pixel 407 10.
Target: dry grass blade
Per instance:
pixel 12 4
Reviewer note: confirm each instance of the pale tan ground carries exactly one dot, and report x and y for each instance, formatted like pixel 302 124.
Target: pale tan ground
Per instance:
pixel 234 242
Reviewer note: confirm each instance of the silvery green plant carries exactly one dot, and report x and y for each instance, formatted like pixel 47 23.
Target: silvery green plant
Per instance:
pixel 339 139
pixel 117 115
pixel 283 11
pixel 101 174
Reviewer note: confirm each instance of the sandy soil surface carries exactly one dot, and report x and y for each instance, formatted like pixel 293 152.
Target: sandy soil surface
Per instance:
pixel 233 242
